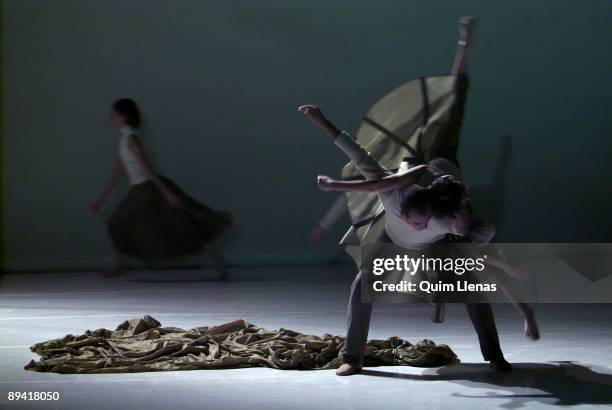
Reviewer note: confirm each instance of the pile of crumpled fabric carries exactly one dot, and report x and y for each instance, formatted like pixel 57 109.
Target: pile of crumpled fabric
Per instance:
pixel 143 345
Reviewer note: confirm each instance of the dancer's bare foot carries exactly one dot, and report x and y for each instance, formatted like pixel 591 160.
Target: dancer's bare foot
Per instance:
pixel 348 369
pixel 532 332
pixel 467 24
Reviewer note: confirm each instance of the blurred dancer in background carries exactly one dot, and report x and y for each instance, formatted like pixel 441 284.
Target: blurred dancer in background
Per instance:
pixel 413 205
pixel 156 221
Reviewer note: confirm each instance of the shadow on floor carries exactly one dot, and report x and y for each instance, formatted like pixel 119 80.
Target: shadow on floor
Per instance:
pixel 562 383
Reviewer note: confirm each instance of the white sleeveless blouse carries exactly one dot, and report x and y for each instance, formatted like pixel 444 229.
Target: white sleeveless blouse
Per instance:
pixel 133 169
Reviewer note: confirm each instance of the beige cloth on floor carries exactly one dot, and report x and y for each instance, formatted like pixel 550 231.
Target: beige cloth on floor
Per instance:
pixel 143 345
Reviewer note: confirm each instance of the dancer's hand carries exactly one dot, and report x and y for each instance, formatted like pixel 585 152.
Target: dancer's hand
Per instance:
pixel 434 172
pixel 315 114
pixel 96 205
pixel 173 200
pixel 513 267
pixel 325 183
pixel 516 272
pixel 317 234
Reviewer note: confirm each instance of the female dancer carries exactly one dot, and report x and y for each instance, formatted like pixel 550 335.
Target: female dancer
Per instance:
pixel 420 121
pixel 421 211
pixel 441 179
pixel 156 221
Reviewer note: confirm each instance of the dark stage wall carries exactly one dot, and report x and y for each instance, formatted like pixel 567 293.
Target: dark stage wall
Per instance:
pixel 220 81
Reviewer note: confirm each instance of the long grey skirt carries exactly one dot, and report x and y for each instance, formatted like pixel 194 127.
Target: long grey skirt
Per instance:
pixel 145 226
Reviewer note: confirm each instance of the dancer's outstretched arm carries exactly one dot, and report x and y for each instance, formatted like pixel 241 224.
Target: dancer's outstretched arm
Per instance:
pixel 367 165
pixel 332 216
pixel 113 179
pixel 466 34
pixel 388 183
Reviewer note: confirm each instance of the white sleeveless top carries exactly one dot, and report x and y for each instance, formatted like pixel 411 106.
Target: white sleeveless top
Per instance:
pixel 133 169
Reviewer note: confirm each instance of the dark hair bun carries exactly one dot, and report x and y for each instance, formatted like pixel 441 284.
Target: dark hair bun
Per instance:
pixel 447 196
pixel 129 109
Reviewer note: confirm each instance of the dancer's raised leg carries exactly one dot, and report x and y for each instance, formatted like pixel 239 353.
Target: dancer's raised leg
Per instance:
pixel 531 329
pixel 467 24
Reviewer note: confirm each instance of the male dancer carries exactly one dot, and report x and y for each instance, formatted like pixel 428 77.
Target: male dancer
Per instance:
pixel 410 224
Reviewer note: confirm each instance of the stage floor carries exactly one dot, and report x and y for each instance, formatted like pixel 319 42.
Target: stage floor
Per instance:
pixel 570 366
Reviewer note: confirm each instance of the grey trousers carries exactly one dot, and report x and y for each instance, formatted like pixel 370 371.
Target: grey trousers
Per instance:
pixel 359 315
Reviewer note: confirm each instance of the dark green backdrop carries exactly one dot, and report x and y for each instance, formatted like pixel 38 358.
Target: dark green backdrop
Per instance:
pixel 220 82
